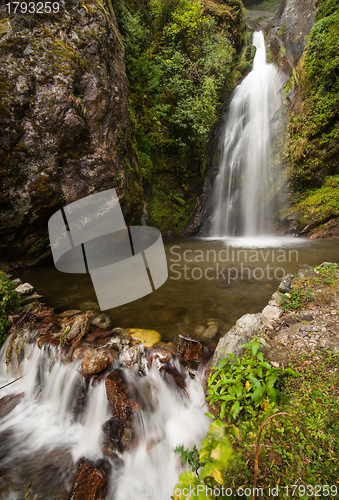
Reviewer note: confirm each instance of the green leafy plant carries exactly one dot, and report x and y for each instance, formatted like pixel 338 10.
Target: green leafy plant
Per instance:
pixel 238 387
pixel 214 456
pixel 10 301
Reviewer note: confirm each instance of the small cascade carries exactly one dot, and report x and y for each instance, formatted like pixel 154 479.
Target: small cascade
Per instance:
pixel 153 468
pixel 244 186
pixel 51 416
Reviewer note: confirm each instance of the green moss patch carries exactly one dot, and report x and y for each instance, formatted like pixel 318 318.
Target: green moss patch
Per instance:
pixel 313 128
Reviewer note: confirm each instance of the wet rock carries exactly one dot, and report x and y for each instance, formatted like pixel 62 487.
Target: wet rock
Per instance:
pixel 159 354
pixel 190 352
pixel 91 480
pixel 173 376
pixel 132 356
pixel 210 332
pixel 102 320
pixel 78 328
pixel 242 332
pixel 9 402
pixel 286 283
pixel 24 289
pixel 49 339
pixel 124 403
pixel 100 333
pixel 147 337
pixel 306 271
pixel 112 435
pixel 95 361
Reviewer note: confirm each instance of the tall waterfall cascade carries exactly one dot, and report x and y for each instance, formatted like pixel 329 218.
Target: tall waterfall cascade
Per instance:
pixel 245 182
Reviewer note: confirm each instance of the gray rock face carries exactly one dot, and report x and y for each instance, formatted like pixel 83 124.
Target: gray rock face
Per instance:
pixel 243 331
pixel 289 29
pixel 63 121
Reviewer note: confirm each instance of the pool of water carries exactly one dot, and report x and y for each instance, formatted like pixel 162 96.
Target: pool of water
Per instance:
pixel 209 282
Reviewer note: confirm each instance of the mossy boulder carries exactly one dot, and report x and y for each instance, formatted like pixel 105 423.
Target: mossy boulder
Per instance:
pixel 63 119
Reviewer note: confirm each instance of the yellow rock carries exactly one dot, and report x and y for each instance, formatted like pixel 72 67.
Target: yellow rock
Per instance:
pixel 147 337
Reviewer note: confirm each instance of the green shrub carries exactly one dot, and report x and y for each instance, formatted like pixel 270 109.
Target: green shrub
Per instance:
pixel 238 387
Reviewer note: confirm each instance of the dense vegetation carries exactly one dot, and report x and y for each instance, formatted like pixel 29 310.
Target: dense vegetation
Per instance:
pixel 313 129
pixel 181 59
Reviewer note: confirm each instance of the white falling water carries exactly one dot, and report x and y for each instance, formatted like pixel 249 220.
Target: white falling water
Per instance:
pixel 245 180
pixel 43 437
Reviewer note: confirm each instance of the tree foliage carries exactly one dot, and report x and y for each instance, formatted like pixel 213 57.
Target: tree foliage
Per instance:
pixel 180 61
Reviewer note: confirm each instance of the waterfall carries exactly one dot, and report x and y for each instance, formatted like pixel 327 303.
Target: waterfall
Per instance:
pixel 244 186
pixel 56 416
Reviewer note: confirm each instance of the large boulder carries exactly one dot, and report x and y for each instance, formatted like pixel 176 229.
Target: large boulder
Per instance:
pixel 64 120
pixel 243 331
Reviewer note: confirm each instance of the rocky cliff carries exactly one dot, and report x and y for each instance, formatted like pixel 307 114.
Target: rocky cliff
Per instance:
pixel 304 41
pixel 64 120
pixel 288 30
